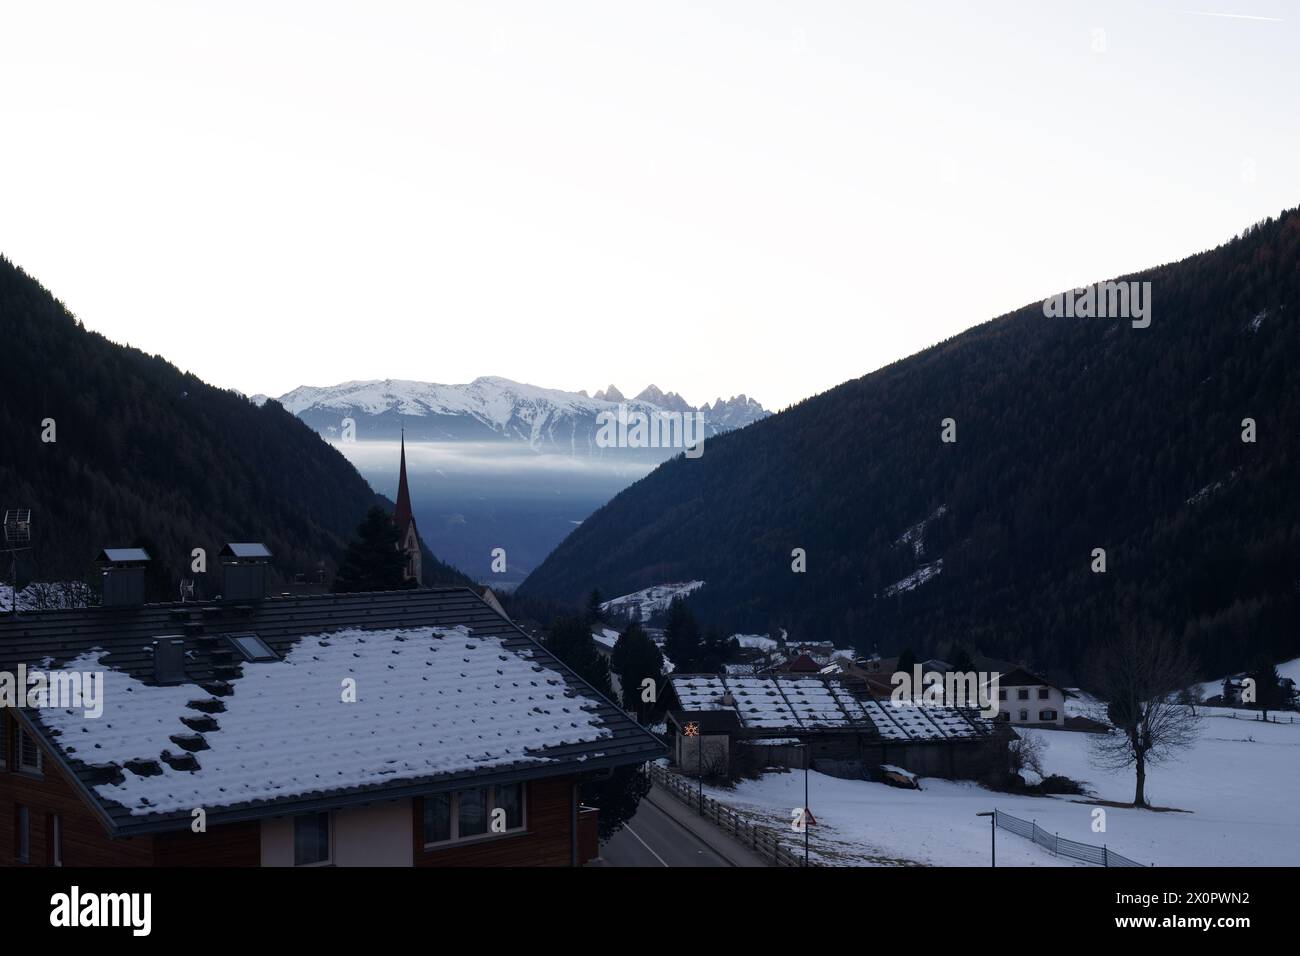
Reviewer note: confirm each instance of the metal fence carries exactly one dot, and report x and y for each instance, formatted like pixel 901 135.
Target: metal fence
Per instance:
pixel 1087 852
pixel 761 839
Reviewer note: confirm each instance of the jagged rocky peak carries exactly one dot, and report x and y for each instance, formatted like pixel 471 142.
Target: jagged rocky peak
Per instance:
pixel 611 394
pixel 670 402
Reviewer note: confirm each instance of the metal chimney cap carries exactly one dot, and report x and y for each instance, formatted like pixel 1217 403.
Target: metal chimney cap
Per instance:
pixel 124 555
pixel 246 549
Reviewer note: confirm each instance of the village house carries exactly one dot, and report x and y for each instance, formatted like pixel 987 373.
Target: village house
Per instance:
pixel 416 727
pixel 831 721
pixel 1025 698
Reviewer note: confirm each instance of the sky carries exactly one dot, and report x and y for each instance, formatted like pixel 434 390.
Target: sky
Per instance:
pixel 716 197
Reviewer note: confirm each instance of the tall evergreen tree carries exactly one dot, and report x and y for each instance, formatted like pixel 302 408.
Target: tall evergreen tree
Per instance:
pixel 373 561
pixel 906 661
pixel 595 613
pixel 569 639
pixel 715 651
pixel 618 795
pixel 1268 686
pixel 962 661
pixel 682 637
pixel 636 659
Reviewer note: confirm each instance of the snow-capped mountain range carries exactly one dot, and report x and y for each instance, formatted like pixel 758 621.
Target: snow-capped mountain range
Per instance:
pixel 492 408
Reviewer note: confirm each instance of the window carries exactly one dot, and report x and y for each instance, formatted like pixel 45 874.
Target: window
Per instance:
pixel 22 834
pixel 1047 715
pixel 54 838
pixel 1042 693
pixel 511 799
pixel 311 839
pixel 437 818
pixel 252 647
pixel 29 753
pixel 1024 715
pixel 1023 693
pixel 469 814
pixel 1002 694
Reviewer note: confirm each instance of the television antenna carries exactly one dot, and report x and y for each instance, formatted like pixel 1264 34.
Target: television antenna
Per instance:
pixel 17 537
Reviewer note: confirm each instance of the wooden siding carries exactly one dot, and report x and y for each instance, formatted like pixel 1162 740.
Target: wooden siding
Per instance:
pixel 547 841
pixel 235 844
pixel 85 838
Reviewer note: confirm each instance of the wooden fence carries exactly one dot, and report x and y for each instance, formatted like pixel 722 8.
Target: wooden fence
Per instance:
pixel 763 840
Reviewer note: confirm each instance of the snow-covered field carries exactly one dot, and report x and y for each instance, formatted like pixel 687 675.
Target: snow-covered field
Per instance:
pixel 642 604
pixel 1239 781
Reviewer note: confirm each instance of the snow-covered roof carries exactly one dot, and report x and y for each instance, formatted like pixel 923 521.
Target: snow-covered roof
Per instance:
pixel 245 549
pixel 347 710
pixel 818 702
pixel 123 555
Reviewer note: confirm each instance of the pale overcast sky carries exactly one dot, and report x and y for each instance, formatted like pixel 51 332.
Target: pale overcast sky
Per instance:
pixel 719 197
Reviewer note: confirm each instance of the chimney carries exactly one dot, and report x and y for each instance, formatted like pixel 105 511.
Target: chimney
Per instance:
pixel 243 571
pixel 122 576
pixel 169 660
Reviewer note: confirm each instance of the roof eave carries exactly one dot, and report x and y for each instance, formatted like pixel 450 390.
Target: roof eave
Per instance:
pixel 384 793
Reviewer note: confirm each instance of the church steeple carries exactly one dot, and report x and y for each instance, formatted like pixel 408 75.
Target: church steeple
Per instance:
pixel 409 540
pixel 402 513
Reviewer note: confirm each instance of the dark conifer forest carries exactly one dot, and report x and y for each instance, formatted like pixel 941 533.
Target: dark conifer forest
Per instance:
pixel 1072 434
pixel 143 453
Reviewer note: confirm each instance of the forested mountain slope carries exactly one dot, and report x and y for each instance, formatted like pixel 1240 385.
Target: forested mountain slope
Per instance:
pixel 1072 434
pixel 145 452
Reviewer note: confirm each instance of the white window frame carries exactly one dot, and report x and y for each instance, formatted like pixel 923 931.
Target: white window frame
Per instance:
pixel 1024 714
pixel 329 839
pixel 454 809
pixel 23 833
pixel 56 839
pixel 1044 714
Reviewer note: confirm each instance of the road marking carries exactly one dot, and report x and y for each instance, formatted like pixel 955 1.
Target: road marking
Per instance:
pixel 689 832
pixel 644 844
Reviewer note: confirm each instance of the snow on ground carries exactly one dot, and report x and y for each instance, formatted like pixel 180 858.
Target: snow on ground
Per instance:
pixel 760 641
pixel 914 537
pixel 1239 781
pixel 914 580
pixel 649 600
pixel 1291 669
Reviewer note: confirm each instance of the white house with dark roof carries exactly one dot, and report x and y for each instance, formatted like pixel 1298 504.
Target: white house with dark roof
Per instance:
pixel 1026 698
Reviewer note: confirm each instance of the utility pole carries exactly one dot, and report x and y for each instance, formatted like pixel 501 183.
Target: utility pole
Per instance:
pixel 805 805
pixel 993 833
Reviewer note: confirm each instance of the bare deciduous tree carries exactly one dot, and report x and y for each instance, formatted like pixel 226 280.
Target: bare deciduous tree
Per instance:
pixel 1191 697
pixel 1139 673
pixel 54 595
pixel 1027 754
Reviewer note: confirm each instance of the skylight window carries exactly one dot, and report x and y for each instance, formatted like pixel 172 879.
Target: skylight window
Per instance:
pixel 252 647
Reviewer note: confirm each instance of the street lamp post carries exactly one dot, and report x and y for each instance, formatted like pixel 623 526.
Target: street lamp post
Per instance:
pixel 692 729
pixel 805 805
pixel 993 833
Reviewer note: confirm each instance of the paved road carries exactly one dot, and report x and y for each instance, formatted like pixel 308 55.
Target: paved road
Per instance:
pixel 652 838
